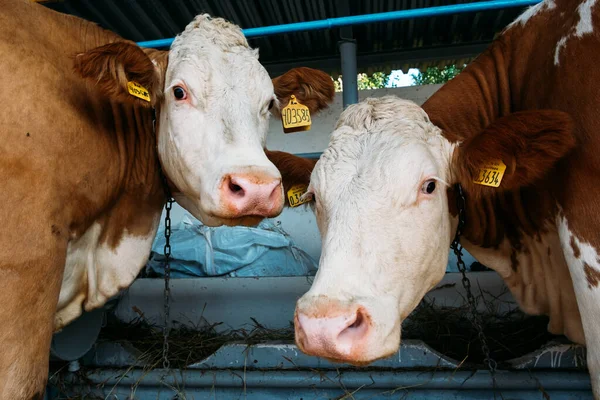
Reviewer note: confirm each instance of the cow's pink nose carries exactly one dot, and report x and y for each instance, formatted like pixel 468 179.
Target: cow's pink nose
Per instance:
pixel 341 338
pixel 245 194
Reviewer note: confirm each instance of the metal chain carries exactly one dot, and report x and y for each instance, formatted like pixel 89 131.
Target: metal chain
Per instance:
pixel 167 254
pixel 475 318
pixel 167 293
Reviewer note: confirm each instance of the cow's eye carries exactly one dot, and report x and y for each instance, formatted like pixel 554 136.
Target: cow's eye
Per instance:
pixel 428 187
pixel 271 103
pixel 179 93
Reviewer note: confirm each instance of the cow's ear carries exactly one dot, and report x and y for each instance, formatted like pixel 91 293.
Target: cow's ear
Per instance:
pixel 294 170
pixel 124 72
pixel 313 88
pixel 529 143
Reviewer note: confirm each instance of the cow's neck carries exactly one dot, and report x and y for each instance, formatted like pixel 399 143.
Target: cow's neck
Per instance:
pixel 511 232
pixel 464 106
pixel 109 251
pixel 134 165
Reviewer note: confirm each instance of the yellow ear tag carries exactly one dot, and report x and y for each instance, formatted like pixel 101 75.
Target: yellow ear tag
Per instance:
pixel 491 173
pixel 137 90
pixel 294 195
pixel 295 117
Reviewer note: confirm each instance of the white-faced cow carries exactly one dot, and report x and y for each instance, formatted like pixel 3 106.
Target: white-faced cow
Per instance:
pixel 385 199
pixel 80 181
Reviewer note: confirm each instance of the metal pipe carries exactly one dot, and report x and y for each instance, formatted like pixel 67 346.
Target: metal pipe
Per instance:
pixel 315 155
pixel 349 72
pixel 324 379
pixel 366 19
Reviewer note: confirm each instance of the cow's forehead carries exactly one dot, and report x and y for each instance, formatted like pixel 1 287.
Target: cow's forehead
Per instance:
pixel 205 32
pixel 376 166
pixel 223 72
pixel 213 47
pixel 385 145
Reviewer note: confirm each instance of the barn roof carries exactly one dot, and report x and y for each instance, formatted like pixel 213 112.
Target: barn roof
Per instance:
pixel 416 43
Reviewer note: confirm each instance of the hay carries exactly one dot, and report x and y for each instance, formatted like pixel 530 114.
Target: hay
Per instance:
pixel 187 344
pixel 451 332
pixel 448 330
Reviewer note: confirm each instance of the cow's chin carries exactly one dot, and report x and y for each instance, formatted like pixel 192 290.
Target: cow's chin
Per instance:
pixel 249 220
pixel 214 218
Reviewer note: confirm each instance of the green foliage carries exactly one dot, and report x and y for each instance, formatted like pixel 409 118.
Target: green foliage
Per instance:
pixel 379 80
pixel 435 75
pixel 365 82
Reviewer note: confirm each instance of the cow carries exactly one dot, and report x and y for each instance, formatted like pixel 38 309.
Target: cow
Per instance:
pixel 85 165
pixel 517 133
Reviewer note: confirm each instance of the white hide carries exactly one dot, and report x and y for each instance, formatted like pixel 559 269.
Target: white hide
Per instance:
pixel 94 272
pixel 588 297
pixel 221 127
pixel 368 195
pixel 584 27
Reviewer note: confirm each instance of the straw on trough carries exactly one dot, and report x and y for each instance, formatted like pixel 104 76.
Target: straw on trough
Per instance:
pixel 449 330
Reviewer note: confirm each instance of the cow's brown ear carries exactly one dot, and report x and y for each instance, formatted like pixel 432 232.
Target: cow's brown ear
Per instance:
pixel 313 88
pixel 124 72
pixel 294 170
pixel 529 143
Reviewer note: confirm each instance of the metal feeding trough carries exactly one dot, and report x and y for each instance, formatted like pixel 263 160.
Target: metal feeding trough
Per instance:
pixel 278 370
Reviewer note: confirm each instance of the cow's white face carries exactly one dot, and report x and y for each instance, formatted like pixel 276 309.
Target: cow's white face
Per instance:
pixel 382 209
pixel 213 124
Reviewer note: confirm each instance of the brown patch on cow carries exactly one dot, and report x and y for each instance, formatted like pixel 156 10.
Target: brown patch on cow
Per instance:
pixel 549 251
pixel 592 275
pixel 452 201
pixel 533 140
pixel 514 262
pixel 55 230
pixel 576 251
pixel 111 66
pixel 38 396
pixel 294 170
pixel 313 88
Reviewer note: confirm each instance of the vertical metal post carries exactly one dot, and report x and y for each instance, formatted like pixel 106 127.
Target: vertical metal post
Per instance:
pixel 348 58
pixel 349 71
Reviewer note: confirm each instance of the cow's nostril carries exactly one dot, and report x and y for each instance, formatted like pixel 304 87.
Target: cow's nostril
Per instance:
pixel 357 322
pixel 236 189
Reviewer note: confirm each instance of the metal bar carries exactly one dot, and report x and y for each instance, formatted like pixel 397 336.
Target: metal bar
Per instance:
pixel 349 74
pixel 398 57
pixel 366 19
pixel 440 380
pixel 315 155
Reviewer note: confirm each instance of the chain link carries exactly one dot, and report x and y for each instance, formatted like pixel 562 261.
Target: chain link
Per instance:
pixel 167 254
pixel 167 293
pixel 475 317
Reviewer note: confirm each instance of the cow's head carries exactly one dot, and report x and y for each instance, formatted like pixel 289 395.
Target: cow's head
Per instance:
pixel 213 99
pixel 382 206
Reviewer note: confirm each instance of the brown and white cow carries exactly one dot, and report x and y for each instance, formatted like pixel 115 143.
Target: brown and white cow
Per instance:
pixel 385 199
pixel 80 181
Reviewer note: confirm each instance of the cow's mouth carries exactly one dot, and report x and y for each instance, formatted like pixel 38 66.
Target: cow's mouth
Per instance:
pixel 246 220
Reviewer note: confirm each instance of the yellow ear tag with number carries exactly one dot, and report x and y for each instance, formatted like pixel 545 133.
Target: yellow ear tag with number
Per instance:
pixel 137 90
pixel 294 195
pixel 491 173
pixel 295 117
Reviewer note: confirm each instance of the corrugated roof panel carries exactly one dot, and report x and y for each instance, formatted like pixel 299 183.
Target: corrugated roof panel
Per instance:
pixel 437 41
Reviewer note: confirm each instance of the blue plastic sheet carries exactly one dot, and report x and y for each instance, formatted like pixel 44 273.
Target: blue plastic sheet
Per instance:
pixel 199 251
